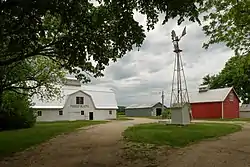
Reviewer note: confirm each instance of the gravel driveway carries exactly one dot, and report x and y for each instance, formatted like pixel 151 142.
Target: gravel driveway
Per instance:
pixel 100 145
pixel 230 151
pixel 97 146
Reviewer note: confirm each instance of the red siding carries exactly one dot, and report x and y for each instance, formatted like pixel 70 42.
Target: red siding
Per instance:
pixel 231 108
pixel 206 110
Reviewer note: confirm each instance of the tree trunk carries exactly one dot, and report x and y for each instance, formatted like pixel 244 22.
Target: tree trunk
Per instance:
pixel 1 101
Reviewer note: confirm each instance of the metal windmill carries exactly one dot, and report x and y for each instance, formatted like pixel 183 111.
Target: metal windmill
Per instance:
pixel 179 94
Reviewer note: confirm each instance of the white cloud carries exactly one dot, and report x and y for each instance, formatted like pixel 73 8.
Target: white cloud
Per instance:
pixel 139 76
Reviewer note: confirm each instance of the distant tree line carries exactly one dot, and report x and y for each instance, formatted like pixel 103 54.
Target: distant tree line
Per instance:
pixel 121 110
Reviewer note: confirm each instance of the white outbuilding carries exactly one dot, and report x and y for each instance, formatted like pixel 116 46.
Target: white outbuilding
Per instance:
pixel 245 111
pixel 77 102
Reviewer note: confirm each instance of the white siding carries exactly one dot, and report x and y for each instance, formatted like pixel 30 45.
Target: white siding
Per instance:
pixel 104 114
pixel 244 114
pixel 74 110
pixel 51 115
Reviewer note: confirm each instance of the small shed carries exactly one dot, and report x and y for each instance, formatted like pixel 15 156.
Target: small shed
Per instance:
pixel 214 103
pixel 245 111
pixel 144 110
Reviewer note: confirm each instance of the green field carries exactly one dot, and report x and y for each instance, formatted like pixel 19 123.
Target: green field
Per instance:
pixel 177 136
pixel 18 140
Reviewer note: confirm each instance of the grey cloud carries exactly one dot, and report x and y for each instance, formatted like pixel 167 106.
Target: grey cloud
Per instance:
pixel 123 68
pixel 138 76
pixel 122 72
pixel 154 69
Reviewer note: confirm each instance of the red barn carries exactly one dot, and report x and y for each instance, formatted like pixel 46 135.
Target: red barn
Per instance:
pixel 215 103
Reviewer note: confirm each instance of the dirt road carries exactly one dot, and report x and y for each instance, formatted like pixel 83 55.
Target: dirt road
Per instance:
pixel 230 151
pixel 95 147
pixel 100 146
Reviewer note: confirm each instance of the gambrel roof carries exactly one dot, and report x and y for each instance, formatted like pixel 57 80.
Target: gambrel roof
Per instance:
pixel 103 98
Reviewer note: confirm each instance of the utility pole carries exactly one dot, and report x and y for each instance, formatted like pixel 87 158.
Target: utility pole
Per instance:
pixel 162 101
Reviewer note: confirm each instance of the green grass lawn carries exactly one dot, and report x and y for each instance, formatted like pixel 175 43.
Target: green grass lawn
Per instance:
pixel 232 119
pixel 155 117
pixel 177 136
pixel 18 140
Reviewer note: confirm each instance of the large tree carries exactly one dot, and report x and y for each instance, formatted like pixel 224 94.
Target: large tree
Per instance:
pixel 36 75
pixel 228 21
pixel 236 73
pixel 75 33
pixel 40 37
pixel 18 82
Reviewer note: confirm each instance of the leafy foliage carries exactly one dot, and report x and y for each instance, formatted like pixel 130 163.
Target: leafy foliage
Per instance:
pixel 16 112
pixel 121 110
pixel 76 33
pixel 36 75
pixel 236 73
pixel 19 81
pixel 166 114
pixel 208 79
pixel 228 22
pixel 40 38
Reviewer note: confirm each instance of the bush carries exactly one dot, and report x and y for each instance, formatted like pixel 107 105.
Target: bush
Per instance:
pixel 15 112
pixel 166 114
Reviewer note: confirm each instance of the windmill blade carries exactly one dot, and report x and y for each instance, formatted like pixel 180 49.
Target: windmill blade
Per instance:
pixel 173 34
pixel 184 32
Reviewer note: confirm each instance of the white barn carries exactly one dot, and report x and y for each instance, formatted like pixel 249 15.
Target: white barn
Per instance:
pixel 77 102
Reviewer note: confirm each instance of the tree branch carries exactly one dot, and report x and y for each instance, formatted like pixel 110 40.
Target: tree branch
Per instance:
pixel 22 87
pixel 19 58
pixel 14 90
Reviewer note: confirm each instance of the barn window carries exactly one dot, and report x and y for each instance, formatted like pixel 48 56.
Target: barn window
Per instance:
pixel 39 113
pixel 60 112
pixel 79 100
pixel 110 112
pixel 231 96
pixel 82 112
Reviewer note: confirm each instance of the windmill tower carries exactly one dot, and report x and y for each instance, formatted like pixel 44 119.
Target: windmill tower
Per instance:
pixel 179 103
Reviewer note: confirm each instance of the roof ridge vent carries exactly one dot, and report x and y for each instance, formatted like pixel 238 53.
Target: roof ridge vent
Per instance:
pixel 203 88
pixel 70 81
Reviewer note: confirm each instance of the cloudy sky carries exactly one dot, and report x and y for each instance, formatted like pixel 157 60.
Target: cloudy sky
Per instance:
pixel 140 76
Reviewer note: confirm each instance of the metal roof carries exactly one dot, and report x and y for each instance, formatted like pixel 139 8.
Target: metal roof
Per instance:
pixel 245 107
pixel 47 107
pixel 103 98
pixel 212 95
pixel 133 106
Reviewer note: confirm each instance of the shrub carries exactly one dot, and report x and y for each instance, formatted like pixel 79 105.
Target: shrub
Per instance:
pixel 15 112
pixel 166 114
